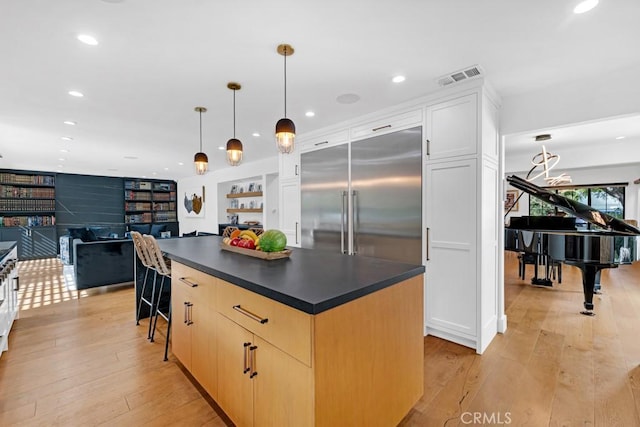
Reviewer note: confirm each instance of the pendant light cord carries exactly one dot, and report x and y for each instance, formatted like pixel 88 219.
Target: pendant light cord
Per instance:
pixel 285 82
pixel 234 113
pixel 200 130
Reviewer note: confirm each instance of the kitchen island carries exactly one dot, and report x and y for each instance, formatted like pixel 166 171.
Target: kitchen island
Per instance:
pixel 316 339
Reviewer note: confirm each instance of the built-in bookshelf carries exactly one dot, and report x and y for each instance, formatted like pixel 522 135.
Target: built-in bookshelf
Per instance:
pixel 27 199
pixel 147 201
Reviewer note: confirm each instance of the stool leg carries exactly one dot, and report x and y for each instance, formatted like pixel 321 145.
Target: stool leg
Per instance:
pixel 155 318
pixel 166 343
pixel 153 294
pixel 144 284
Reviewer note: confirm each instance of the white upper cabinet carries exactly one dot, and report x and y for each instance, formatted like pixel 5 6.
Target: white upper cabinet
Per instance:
pixel 290 164
pixel 387 125
pixel 452 127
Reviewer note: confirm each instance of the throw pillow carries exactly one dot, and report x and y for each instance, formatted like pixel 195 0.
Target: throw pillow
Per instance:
pixel 78 233
pixel 140 228
pixel 156 229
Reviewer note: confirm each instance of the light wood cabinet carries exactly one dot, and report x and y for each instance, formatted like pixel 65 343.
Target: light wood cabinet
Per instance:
pixel 193 326
pixel 360 363
pixel 259 384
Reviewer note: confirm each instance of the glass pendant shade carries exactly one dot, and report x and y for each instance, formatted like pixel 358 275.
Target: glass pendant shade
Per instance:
pixel 285 129
pixel 202 163
pixel 200 160
pixel 285 135
pixel 234 152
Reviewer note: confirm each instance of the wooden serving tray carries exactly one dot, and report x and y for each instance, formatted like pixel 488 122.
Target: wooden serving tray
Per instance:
pixel 257 254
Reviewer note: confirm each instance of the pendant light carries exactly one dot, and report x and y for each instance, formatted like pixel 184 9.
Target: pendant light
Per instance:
pixel 200 159
pixel 285 129
pixel 234 146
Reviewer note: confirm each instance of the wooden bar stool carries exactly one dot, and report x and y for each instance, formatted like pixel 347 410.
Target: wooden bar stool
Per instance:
pixel 142 252
pixel 163 268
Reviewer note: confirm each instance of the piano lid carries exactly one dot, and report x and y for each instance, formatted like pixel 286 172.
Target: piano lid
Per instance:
pixel 580 210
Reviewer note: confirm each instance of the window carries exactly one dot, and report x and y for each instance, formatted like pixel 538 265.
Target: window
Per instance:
pixel 605 198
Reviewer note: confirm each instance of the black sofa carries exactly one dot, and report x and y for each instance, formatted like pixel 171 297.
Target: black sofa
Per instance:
pixel 103 262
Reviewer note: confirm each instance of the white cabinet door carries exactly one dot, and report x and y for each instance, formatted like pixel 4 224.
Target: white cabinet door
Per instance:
pixel 387 125
pixel 451 267
pixel 452 127
pixel 290 211
pixel 290 164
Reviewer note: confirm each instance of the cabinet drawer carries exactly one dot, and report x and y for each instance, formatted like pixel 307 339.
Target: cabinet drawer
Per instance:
pixel 184 276
pixel 282 326
pixel 387 125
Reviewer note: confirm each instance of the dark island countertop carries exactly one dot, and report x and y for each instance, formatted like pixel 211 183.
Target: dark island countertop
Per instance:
pixel 311 281
pixel 5 248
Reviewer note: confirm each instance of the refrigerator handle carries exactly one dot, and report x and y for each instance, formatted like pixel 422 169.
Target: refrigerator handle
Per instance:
pixel 354 207
pixel 344 198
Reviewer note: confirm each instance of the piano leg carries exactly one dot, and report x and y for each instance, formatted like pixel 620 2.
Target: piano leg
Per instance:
pixel 589 274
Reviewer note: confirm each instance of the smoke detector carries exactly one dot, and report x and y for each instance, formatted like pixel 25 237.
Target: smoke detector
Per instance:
pixel 472 72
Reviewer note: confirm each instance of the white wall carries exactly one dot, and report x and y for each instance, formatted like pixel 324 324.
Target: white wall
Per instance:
pixel 210 181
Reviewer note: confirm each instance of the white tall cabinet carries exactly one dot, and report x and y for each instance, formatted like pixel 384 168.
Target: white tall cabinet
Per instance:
pixel 462 217
pixel 462 208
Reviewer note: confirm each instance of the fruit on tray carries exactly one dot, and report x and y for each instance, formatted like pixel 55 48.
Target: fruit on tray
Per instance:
pixel 273 241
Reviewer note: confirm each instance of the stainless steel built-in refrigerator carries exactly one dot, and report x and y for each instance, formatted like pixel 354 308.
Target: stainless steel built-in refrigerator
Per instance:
pixel 365 197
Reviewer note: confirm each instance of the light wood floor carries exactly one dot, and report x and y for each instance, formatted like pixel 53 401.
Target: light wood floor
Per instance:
pixel 78 359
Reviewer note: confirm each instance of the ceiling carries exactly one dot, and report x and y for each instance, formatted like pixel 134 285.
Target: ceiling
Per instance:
pixel 158 59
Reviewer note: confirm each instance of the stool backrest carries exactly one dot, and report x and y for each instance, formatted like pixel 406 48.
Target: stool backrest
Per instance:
pixel 156 255
pixel 141 249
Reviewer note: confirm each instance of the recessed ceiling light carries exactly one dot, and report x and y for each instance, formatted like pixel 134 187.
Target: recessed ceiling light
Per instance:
pixel 87 39
pixel 66 138
pixel 398 79
pixel 64 151
pixel 166 169
pixel 309 114
pixel 180 164
pixel 585 6
pixel 619 137
pixel 70 122
pixel 76 93
pixel 221 148
pixel 256 134
pixel 62 159
pixel 348 98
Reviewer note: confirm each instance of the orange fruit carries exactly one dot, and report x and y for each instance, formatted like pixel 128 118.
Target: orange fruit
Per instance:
pixel 235 233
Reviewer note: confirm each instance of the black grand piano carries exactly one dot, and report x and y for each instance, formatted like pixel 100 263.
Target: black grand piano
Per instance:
pixel 607 243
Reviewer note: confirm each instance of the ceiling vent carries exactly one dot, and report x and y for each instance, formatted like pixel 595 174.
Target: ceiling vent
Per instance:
pixel 471 72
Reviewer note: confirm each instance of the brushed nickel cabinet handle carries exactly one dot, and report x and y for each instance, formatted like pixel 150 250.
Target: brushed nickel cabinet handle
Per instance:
pixel 185 312
pixel 17 279
pixel 428 147
pixel 381 127
pixel 321 143
pixel 296 172
pixel 250 315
